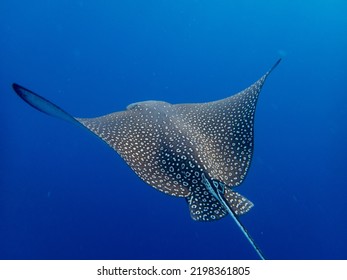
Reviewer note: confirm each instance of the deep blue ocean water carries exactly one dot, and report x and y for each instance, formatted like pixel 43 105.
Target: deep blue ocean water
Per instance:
pixel 66 195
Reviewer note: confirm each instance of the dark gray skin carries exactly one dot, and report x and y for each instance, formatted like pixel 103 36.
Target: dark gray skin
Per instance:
pixel 199 151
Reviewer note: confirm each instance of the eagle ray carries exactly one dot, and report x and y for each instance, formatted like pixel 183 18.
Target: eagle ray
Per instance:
pixel 199 151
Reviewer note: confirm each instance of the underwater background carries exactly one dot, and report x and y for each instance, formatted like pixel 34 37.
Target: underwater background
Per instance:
pixel 64 194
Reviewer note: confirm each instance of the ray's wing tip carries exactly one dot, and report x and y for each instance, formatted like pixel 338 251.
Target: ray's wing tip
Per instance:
pixel 17 88
pixel 29 97
pixel 22 92
pixel 15 85
pixel 42 104
pixel 274 66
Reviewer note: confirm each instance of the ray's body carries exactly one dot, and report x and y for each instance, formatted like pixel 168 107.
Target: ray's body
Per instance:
pixel 199 151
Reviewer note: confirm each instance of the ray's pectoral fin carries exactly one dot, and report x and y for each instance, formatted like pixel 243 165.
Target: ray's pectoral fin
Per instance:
pixel 238 203
pixel 42 104
pixel 120 130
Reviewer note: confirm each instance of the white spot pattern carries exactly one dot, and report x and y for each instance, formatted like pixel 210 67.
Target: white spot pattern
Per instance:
pixel 170 146
pixel 223 133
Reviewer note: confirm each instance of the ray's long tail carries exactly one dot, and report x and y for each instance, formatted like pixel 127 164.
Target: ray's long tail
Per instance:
pixel 243 229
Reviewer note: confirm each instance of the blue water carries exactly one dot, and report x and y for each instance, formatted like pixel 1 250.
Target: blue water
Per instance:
pixel 65 195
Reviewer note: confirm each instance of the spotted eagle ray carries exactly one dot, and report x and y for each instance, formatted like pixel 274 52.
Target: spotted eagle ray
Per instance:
pixel 199 151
